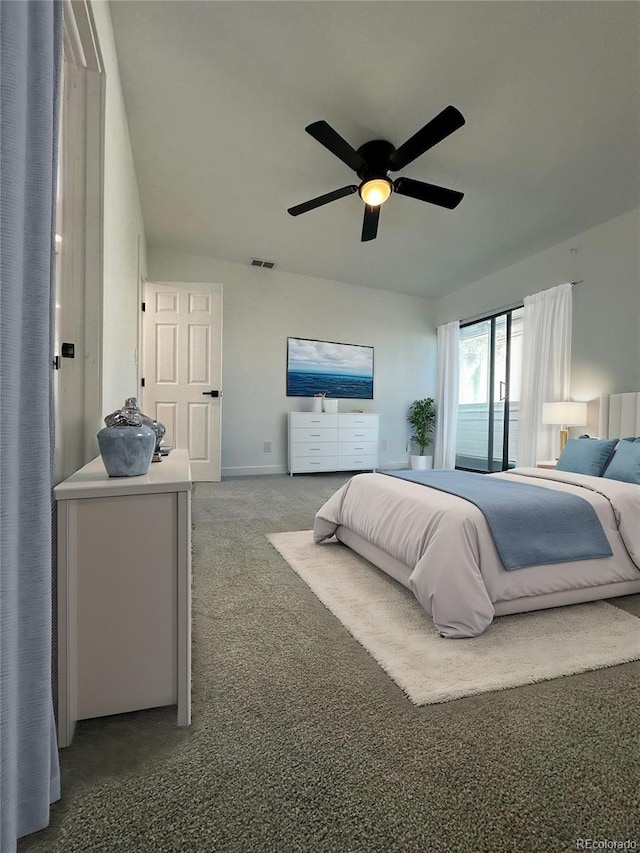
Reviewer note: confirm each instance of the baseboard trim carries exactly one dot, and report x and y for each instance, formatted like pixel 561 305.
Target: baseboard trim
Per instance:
pixel 257 470
pixel 395 466
pixel 253 470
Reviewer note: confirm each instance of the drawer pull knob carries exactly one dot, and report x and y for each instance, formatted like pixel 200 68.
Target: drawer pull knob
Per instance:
pixel 358 448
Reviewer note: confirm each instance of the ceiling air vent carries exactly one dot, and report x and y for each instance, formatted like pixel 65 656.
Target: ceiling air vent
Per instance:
pixel 256 262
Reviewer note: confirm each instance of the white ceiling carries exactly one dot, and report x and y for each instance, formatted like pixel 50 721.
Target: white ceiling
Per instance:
pixel 218 95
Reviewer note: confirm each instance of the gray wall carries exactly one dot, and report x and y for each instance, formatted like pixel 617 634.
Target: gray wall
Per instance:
pixel 261 308
pixel 123 233
pixel 606 304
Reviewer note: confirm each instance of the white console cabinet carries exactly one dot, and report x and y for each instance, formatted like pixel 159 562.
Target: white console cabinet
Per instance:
pixel 324 441
pixel 124 592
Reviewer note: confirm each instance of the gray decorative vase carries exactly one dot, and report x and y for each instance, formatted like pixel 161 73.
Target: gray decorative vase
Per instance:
pixel 126 450
pixel 130 415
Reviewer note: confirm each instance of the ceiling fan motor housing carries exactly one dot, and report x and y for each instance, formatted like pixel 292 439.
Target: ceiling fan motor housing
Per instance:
pixel 376 155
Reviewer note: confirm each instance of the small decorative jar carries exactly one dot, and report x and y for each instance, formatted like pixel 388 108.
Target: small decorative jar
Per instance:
pixel 126 450
pixel 130 415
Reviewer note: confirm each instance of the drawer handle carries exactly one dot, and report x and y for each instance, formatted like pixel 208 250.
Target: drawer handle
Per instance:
pixel 314 463
pixel 359 436
pixel 358 448
pixel 315 435
pixel 314 448
pixel 357 462
pixel 316 421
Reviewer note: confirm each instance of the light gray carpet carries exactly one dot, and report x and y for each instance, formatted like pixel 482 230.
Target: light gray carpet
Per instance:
pixel 300 743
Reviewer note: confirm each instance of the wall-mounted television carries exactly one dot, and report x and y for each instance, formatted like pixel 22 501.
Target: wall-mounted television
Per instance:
pixel 341 371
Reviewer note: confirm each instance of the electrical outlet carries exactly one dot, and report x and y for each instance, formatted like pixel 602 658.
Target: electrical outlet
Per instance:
pixel 383 444
pixel 266 447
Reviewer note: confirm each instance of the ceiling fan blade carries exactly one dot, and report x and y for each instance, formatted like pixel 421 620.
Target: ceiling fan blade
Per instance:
pixel 322 199
pixel 331 139
pixel 439 128
pixel 370 223
pixel 428 192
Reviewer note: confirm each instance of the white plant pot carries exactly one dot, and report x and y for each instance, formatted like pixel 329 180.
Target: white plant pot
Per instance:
pixel 316 404
pixel 330 405
pixel 421 462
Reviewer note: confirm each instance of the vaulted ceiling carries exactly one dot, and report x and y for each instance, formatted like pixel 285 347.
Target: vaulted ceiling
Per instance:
pixel 218 95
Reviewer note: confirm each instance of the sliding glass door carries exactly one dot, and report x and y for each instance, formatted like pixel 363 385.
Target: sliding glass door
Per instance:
pixel 490 370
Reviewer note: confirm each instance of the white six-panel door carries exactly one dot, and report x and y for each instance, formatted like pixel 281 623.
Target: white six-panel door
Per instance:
pixel 182 365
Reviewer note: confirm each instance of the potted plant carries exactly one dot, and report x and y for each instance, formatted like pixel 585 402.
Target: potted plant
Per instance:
pixel 422 418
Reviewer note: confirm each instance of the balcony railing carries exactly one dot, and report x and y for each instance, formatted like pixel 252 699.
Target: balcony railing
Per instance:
pixel 472 442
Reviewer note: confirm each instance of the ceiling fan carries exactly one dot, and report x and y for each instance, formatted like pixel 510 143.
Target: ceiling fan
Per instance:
pixel 373 161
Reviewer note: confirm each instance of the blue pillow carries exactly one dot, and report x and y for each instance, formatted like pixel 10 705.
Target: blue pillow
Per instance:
pixel 586 457
pixel 625 463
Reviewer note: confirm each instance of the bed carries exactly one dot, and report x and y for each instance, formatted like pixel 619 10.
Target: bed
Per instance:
pixel 440 545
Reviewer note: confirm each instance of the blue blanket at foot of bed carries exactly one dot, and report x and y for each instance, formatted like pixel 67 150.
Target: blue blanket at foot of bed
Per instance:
pixel 530 525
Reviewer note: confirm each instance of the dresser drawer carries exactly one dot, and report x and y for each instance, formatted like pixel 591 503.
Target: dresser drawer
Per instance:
pixel 358 462
pixel 358 434
pixel 355 420
pixel 313 434
pixel 309 420
pixel 349 448
pixel 313 448
pixel 319 463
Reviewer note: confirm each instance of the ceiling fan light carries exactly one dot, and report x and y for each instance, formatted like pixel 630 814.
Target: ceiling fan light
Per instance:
pixel 375 192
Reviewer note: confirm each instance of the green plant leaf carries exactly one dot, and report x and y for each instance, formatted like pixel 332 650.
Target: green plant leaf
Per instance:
pixel 422 418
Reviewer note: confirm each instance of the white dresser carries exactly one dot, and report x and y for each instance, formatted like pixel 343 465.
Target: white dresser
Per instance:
pixel 324 441
pixel 124 592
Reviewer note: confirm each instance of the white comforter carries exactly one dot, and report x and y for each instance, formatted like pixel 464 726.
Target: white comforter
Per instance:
pixel 456 573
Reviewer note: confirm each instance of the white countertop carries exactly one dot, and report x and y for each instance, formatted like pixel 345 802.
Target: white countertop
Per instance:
pixel 171 474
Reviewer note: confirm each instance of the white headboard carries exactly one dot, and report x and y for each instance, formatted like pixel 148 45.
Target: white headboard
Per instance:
pixel 620 415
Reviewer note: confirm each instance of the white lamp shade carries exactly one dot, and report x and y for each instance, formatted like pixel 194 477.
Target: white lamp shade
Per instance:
pixel 567 413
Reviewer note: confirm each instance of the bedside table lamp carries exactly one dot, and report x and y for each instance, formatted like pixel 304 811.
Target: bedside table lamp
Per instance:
pixel 565 414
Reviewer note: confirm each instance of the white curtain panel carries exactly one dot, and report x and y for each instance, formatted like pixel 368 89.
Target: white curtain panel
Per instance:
pixel 444 452
pixel 30 58
pixel 546 363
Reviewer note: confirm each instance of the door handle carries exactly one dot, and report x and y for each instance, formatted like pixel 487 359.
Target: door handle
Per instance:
pixel 212 393
pixel 503 391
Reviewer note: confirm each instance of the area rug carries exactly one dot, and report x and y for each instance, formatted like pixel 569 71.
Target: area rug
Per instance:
pixel 388 621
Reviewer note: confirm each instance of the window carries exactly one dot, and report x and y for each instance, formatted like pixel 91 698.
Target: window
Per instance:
pixel 490 359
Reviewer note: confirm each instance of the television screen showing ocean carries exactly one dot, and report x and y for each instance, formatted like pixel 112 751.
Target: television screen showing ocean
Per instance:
pixel 302 384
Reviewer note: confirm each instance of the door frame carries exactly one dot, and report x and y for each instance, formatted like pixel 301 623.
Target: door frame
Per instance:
pixel 507 313
pixel 79 287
